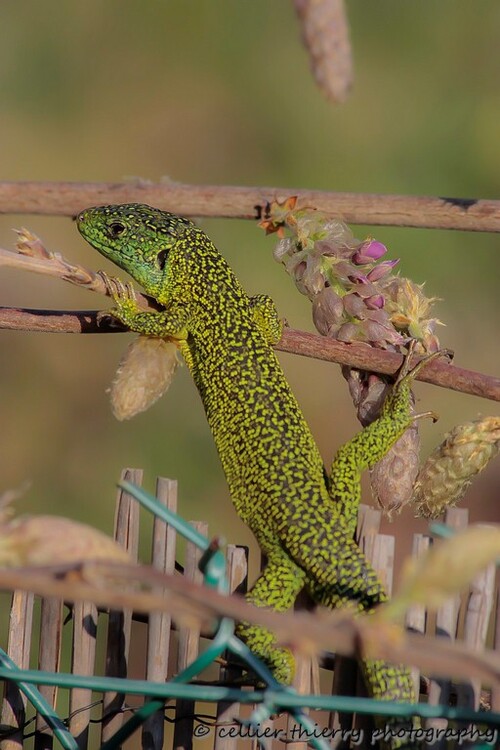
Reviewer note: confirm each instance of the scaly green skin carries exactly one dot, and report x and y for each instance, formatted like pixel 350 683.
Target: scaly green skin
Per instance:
pixel 303 519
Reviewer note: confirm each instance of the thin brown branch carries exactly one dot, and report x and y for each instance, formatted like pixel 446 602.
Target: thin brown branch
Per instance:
pixel 340 631
pixel 33 256
pixel 68 198
pixel 363 357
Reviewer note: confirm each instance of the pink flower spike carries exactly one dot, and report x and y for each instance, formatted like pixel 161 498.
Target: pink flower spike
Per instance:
pixel 376 302
pixel 382 269
pixel 368 252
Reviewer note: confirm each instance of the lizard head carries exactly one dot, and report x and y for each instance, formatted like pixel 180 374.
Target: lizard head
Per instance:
pixel 138 238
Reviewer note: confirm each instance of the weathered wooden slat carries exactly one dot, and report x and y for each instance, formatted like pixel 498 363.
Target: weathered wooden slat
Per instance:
pixel 237 573
pixel 188 650
pixel 383 560
pixel 379 551
pixel 446 626
pixel 51 625
pixel 298 740
pixel 18 648
pixel 368 527
pixel 159 626
pixel 477 617
pixel 495 693
pixel 82 663
pixel 119 623
pixel 416 614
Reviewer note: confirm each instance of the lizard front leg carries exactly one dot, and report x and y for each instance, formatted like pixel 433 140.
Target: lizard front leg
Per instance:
pixel 170 322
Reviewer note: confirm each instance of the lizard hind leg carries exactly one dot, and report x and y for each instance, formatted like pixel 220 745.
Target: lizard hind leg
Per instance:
pixel 375 440
pixel 398 400
pixel 277 587
pixel 409 372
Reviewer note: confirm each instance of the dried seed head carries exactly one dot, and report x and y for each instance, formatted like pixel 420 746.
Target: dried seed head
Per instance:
pixel 325 33
pixel 144 374
pixel 450 469
pixel 52 540
pixel 393 477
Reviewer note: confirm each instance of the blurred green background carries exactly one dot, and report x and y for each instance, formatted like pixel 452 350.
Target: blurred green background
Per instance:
pixel 221 93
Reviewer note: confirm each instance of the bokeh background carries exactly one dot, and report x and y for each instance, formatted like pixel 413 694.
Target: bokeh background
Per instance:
pixel 221 93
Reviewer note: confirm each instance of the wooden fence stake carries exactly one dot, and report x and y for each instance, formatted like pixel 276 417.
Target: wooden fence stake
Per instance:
pixel 237 572
pixel 19 644
pixel 83 663
pixel 51 625
pixel 446 626
pixel 159 625
pixel 189 639
pixel 416 615
pixel 119 622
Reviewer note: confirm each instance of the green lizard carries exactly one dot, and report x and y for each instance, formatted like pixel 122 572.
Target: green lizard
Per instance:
pixel 303 518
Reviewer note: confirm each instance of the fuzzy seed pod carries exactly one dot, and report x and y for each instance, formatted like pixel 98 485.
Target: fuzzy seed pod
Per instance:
pixel 52 540
pixel 449 470
pixel 325 34
pixel 393 477
pixel 144 374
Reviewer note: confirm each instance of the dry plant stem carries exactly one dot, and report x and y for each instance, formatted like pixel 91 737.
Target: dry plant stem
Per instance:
pixel 55 266
pixel 58 267
pixel 339 631
pixel 68 198
pixel 306 344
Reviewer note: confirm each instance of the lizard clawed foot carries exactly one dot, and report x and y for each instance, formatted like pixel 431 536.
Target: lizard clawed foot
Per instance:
pixel 407 372
pixel 432 414
pixel 123 295
pixel 117 289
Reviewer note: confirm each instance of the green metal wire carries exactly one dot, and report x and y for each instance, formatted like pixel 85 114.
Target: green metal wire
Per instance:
pixel 48 714
pixel 216 647
pixel 173 519
pixel 441 529
pixel 284 699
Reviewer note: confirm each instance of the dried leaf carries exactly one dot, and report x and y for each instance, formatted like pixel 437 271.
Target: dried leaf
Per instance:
pixel 144 374
pixel 449 566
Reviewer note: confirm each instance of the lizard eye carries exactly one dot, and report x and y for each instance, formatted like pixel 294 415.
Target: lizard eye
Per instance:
pixel 116 229
pixel 161 259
